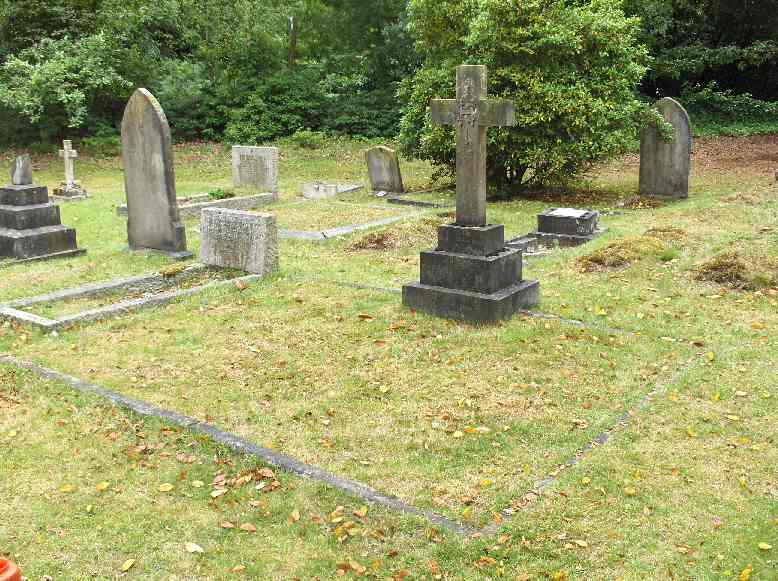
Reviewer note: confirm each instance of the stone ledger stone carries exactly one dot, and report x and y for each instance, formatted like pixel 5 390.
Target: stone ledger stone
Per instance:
pixel 30 225
pixel 255 167
pixel 561 227
pixel 237 239
pixel 665 165
pixel 153 221
pixel 384 169
pixel 472 275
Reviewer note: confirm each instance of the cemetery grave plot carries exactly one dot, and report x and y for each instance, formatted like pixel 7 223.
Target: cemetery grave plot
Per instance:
pixel 447 418
pixel 99 301
pixel 320 216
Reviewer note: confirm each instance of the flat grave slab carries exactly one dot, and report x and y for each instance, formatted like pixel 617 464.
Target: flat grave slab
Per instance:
pixel 323 190
pixel 561 227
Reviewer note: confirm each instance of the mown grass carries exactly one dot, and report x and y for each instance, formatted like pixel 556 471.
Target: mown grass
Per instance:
pixel 456 418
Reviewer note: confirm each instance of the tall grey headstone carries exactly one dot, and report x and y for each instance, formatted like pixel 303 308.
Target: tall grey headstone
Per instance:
pixel 472 275
pixel 665 165
pixel 21 171
pixel 152 207
pixel 237 239
pixel 384 169
pixel 255 167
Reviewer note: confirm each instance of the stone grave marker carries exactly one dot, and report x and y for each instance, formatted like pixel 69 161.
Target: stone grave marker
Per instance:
pixel 237 239
pixel 665 165
pixel 153 221
pixel 21 171
pixel 561 227
pixel 472 275
pixel 70 187
pixel 30 225
pixel 322 190
pixel 384 169
pixel 255 168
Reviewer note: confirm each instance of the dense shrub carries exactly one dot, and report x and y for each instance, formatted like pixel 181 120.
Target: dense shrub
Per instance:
pixel 571 70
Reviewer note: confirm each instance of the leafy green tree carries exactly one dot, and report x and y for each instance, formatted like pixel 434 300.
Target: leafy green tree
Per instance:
pixel 572 71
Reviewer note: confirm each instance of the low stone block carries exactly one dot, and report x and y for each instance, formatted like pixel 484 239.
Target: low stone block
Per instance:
pixel 482 274
pixel 527 244
pixel 27 195
pixel 237 239
pixel 568 221
pixel 477 240
pixel 472 306
pixel 37 242
pixel 26 217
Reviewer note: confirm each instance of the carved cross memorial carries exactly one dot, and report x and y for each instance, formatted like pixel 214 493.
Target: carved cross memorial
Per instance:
pixel 471 113
pixel 69 154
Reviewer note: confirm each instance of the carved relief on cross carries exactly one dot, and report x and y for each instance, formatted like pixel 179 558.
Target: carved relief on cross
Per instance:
pixel 471 113
pixel 69 154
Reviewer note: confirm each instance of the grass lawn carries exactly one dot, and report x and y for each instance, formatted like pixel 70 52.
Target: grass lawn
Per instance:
pixel 458 419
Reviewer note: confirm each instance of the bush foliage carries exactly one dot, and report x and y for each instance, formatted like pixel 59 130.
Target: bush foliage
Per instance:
pixel 571 71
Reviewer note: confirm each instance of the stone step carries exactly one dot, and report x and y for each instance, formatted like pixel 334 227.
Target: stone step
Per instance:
pixel 27 217
pixel 36 242
pixel 30 195
pixel 468 272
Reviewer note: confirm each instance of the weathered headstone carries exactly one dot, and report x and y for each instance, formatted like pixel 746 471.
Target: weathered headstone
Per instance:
pixel 30 225
pixel 21 171
pixel 384 169
pixel 238 239
pixel 665 165
pixel 255 168
pixel 472 275
pixel 153 222
pixel 70 187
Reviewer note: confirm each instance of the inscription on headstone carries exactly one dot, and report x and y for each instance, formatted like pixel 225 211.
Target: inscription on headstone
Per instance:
pixel 665 165
pixel 255 167
pixel 149 181
pixel 238 239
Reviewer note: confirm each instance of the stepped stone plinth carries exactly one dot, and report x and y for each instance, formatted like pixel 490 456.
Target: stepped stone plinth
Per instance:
pixel 30 225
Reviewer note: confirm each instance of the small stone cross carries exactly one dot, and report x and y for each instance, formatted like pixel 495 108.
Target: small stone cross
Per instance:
pixel 471 113
pixel 69 154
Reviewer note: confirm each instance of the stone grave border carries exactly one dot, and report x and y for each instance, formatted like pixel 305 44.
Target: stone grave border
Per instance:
pixel 15 310
pixel 354 488
pixel 194 204
pixel 321 235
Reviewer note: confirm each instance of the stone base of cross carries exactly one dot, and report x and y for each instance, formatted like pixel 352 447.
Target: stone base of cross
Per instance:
pixel 471 275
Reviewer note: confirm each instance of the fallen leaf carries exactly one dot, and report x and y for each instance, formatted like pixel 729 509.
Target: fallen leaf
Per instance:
pixel 765 546
pixel 165 487
pixel 240 285
pixel 198 484
pixel 248 527
pixel 102 486
pixel 581 543
pixel 218 492
pixel 294 517
pixel 745 574
pixel 238 569
pixel 193 548
pixel 630 491
pixel 127 565
pixel 67 488
pixel 227 525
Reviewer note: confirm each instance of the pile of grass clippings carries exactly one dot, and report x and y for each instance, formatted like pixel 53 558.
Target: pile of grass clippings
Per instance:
pixel 734 271
pixel 641 203
pixel 667 234
pixel 407 235
pixel 621 253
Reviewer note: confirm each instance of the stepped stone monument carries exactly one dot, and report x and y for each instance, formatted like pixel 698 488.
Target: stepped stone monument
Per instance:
pixel 384 169
pixel 237 239
pixel 472 275
pixel 70 188
pixel 153 222
pixel 255 168
pixel 665 165
pixel 30 225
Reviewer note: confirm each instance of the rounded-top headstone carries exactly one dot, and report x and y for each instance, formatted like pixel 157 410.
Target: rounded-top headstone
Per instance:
pixel 147 151
pixel 665 165
pixel 21 171
pixel 384 169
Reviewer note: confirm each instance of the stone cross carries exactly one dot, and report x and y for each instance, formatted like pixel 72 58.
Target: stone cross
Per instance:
pixel 69 154
pixel 471 113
